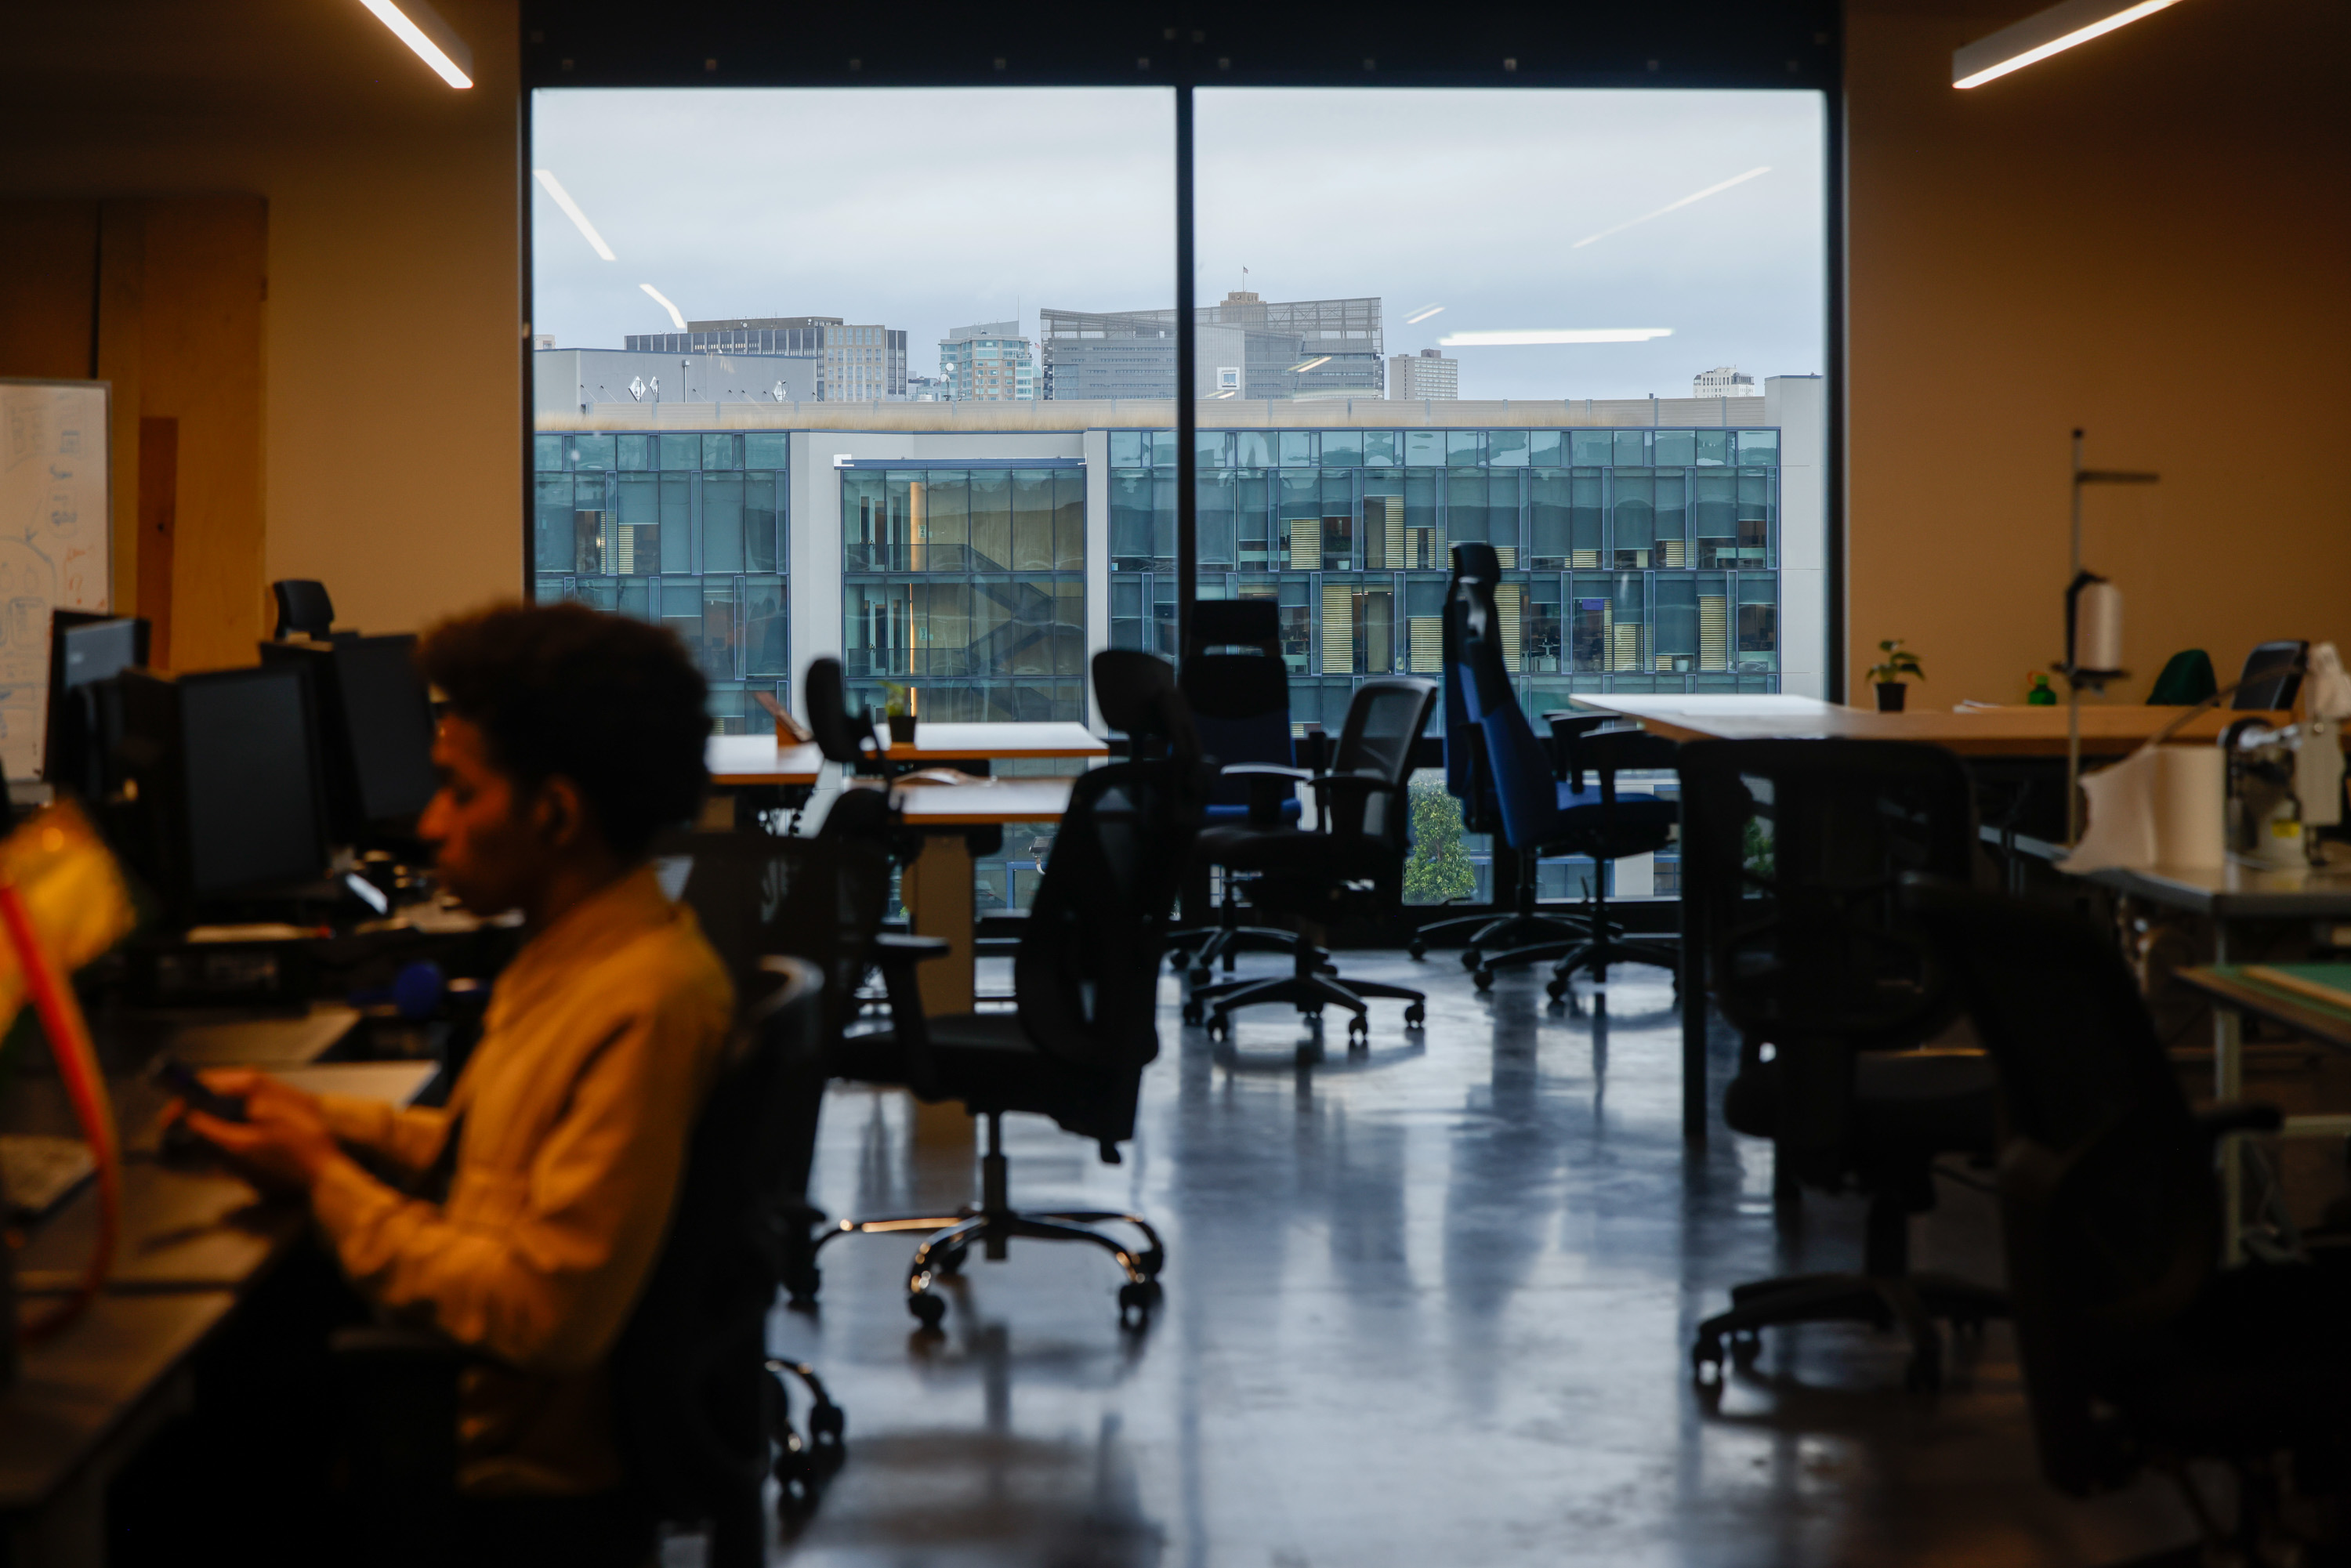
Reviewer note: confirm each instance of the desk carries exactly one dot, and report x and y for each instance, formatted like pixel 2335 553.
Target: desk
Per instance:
pixel 86 1400
pixel 2107 729
pixel 937 888
pixel 744 761
pixel 1981 736
pixel 2227 896
pixel 937 742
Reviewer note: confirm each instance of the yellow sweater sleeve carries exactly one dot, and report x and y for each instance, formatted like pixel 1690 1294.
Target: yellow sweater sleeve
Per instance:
pixel 409 1138
pixel 548 1287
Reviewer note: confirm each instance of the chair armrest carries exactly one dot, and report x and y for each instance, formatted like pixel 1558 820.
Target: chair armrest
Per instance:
pixel 1354 784
pixel 896 957
pixel 1314 748
pixel 1566 727
pixel 900 947
pixel 1269 784
pixel 1265 770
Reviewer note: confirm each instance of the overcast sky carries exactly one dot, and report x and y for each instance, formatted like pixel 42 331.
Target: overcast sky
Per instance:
pixel 925 210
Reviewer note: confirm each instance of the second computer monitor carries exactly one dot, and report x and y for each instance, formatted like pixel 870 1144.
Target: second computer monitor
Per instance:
pixel 375 731
pixel 249 782
pixel 86 648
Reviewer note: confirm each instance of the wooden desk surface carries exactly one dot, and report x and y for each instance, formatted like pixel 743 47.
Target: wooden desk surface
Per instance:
pixel 941 742
pixel 2226 984
pixel 2107 728
pixel 740 760
pixel 976 805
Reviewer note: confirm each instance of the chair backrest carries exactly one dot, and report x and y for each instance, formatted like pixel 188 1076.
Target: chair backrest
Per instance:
pixel 1384 724
pixel 2272 677
pixel 303 606
pixel 1518 769
pixel 1239 700
pixel 819 899
pixel 687 1370
pixel 1138 696
pixel 1469 777
pixel 2110 1209
pixel 841 738
pixel 2185 680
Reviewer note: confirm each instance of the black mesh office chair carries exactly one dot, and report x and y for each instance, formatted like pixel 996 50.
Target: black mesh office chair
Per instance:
pixel 1086 978
pixel 2139 1350
pixel 2272 677
pixel 1351 865
pixel 698 1419
pixel 303 608
pixel 1795 851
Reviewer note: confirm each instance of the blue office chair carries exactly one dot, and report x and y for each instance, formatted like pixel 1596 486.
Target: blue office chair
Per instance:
pixel 1469 778
pixel 1542 814
pixel 1233 677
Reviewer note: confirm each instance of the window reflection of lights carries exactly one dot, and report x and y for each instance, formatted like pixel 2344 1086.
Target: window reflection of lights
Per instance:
pixel 1423 314
pixel 1672 206
pixel 432 40
pixel 1309 364
pixel 675 315
pixel 571 210
pixel 1554 335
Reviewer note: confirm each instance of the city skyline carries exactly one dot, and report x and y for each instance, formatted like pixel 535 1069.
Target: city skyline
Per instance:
pixel 1512 212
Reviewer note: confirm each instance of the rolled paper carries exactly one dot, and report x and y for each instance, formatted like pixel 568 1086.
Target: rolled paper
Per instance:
pixel 2098 628
pixel 2191 790
pixel 2120 827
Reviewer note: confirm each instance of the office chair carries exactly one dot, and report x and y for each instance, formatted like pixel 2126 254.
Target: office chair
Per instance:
pixel 1606 752
pixel 1351 865
pixel 2272 677
pixel 1240 710
pixel 696 1411
pixel 2185 680
pixel 303 608
pixel 1469 778
pixel 1542 814
pixel 1793 854
pixel 1086 977
pixel 842 737
pixel 2137 1349
pixel 819 900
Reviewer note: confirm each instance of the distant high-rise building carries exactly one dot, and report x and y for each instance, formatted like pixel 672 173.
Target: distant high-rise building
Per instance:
pixel 1428 376
pixel 1247 347
pixel 989 363
pixel 854 363
pixel 1725 381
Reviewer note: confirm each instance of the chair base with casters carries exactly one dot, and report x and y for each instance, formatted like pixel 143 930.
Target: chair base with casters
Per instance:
pixel 1312 986
pixel 994 1224
pixel 1522 928
pixel 1601 944
pixel 1196 951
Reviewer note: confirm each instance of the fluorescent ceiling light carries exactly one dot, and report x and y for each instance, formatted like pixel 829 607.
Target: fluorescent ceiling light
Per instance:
pixel 663 300
pixel 571 210
pixel 416 24
pixel 1309 364
pixel 1669 206
pixel 1554 335
pixel 2038 36
pixel 1423 314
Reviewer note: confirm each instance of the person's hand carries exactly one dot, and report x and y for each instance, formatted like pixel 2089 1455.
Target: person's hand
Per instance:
pixel 283 1142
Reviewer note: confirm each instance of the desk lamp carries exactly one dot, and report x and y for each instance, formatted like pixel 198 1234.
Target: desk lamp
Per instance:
pixel 2094 634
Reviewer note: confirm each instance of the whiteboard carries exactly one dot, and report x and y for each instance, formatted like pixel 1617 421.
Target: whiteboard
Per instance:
pixel 55 541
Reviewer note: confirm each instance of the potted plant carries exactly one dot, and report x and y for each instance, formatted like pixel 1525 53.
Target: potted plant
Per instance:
pixel 899 710
pixel 1898 665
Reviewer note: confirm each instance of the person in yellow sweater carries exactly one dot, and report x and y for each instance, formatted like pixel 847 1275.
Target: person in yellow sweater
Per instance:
pixel 534 1204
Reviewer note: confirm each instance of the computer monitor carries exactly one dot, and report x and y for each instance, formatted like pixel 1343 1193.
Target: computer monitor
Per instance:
pixel 86 648
pixel 227 767
pixel 375 727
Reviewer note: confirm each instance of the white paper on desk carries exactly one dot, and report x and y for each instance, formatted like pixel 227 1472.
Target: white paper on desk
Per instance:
pixel 2162 805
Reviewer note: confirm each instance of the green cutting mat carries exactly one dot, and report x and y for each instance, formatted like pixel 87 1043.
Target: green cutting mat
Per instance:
pixel 2335 977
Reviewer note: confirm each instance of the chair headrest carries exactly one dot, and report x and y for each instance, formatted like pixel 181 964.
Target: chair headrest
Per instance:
pixel 1236 623
pixel 837 735
pixel 1471 558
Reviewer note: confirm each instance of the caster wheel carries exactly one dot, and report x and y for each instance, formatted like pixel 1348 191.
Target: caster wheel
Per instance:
pixel 1745 1346
pixel 948 1261
pixel 1151 1260
pixel 1471 958
pixel 1358 1039
pixel 1416 947
pixel 1135 1302
pixel 828 1425
pixel 1415 1015
pixel 1483 978
pixel 1194 1012
pixel 1199 976
pixel 1556 989
pixel 928 1308
pixel 1220 1028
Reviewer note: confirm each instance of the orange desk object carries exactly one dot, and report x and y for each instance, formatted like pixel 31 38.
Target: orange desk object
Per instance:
pixel 937 888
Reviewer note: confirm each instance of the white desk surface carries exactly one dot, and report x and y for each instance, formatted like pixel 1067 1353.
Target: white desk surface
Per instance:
pixel 940 742
pixel 988 801
pixel 740 759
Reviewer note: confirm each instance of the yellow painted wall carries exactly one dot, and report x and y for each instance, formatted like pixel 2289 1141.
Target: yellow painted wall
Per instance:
pixel 2148 236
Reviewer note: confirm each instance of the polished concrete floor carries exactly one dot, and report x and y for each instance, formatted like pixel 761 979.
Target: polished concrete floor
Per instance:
pixel 1427 1306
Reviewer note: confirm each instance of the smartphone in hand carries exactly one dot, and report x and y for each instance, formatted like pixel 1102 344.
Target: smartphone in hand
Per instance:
pixel 182 1080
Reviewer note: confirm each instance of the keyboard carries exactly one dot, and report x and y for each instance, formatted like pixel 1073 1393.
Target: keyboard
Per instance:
pixel 38 1172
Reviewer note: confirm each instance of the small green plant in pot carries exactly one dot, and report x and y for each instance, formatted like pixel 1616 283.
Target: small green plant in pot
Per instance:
pixel 1899 664
pixel 899 710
